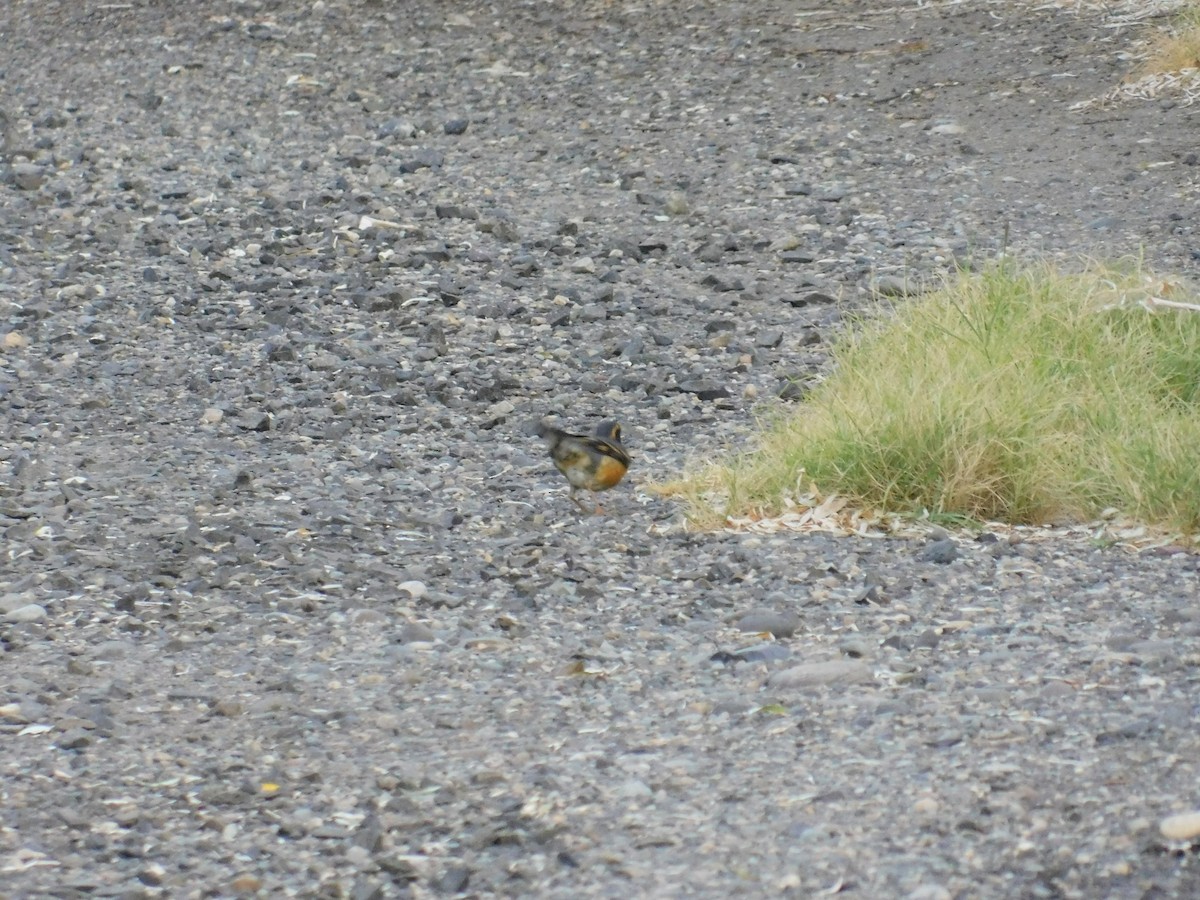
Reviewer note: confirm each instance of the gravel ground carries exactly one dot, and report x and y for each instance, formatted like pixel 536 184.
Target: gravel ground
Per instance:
pixel 294 605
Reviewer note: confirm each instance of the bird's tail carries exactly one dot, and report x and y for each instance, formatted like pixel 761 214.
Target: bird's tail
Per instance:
pixel 548 433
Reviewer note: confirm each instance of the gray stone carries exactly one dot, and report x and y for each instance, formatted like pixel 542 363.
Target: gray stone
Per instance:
pixel 73 739
pixel 769 338
pixel 939 552
pixel 27 176
pixel 778 624
pixel 415 633
pixel 423 159
pixel 704 390
pixel 893 286
pixel 830 193
pixel 9 602
pixel 31 612
pixel 834 671
pixel 764 653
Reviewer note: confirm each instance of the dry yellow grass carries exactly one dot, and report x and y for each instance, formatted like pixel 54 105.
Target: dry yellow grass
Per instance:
pixel 1177 49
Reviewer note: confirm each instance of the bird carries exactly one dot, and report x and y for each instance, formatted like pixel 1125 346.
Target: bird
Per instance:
pixel 594 463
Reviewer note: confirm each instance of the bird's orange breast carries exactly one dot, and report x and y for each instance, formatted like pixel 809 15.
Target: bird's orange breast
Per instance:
pixel 608 472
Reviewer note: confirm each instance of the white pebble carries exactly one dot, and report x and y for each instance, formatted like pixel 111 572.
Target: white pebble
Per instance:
pixel 415 589
pixel 1183 827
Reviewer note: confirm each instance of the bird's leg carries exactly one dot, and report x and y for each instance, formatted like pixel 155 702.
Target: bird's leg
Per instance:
pixel 575 499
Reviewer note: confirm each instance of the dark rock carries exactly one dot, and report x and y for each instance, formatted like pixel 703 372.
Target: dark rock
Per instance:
pixel 704 390
pixel 939 552
pixel 723 283
pixel 423 159
pixel 928 639
pixel 254 420
pixel 453 211
pixel 808 299
pixel 792 389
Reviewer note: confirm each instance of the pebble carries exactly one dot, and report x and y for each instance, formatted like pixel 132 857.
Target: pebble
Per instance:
pixel 926 806
pixel 455 211
pixel 768 653
pixel 855 647
pixel 31 612
pixel 73 739
pixel 929 892
pixel 1155 650
pixel 245 884
pixel 153 874
pixel 893 286
pixel 415 633
pixel 367 618
pixel 501 230
pixel 830 193
pixel 415 589
pixel 27 176
pixel 835 671
pixel 9 602
pixel 1057 689
pixel 423 159
pixel 228 707
pixel 677 204
pixel 1181 827
pixel 453 881
pixel 939 552
pixel 704 389
pixel 792 390
pixel 769 338
pixel 767 621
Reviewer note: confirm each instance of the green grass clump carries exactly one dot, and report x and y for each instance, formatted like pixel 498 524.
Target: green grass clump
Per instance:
pixel 1025 395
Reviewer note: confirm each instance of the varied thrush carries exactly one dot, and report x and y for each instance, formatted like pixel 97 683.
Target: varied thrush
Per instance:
pixel 594 463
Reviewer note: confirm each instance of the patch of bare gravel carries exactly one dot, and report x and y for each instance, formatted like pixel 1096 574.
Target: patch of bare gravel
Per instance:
pixel 293 605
